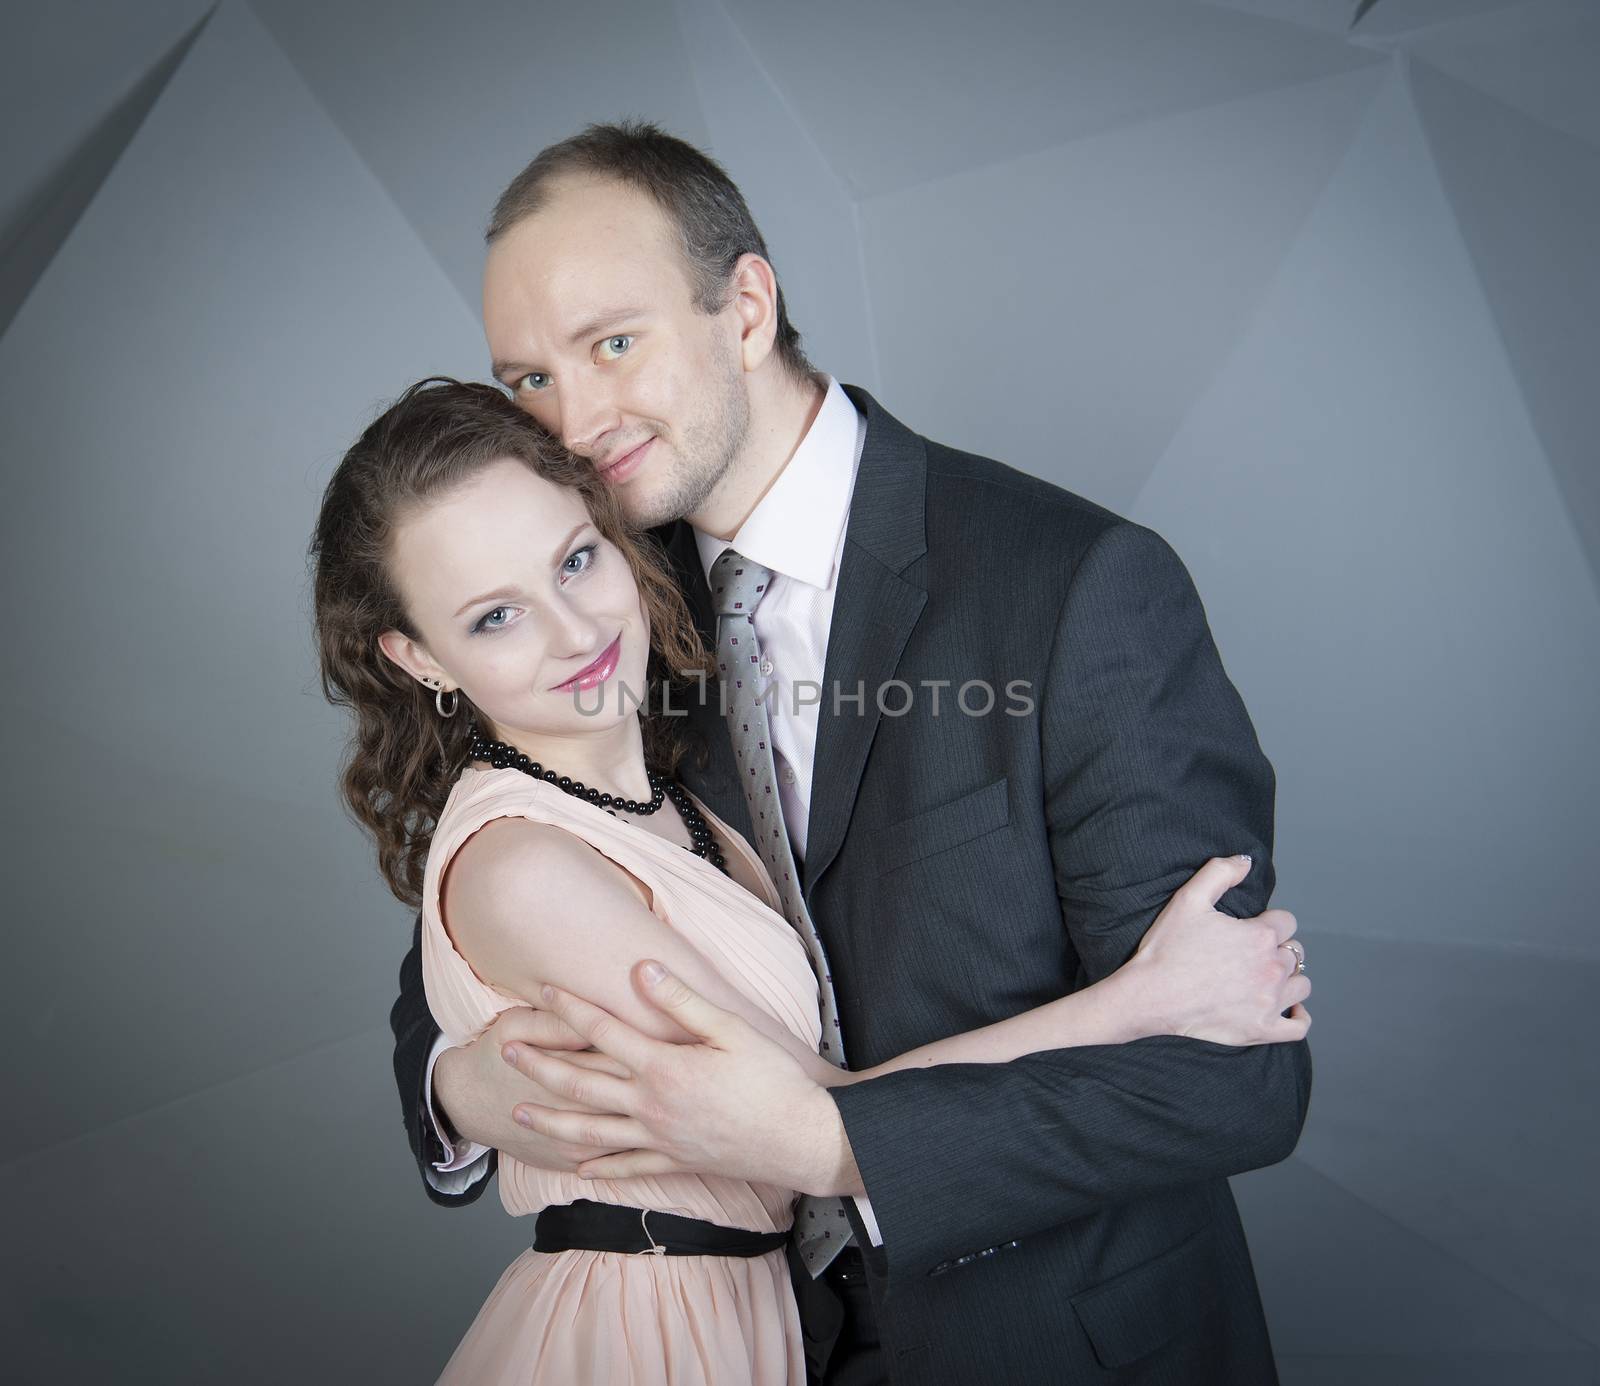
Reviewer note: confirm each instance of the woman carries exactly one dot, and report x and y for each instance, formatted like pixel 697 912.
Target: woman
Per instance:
pixel 532 811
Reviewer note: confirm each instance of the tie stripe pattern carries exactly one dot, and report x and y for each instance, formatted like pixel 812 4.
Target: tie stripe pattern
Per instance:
pixel 737 585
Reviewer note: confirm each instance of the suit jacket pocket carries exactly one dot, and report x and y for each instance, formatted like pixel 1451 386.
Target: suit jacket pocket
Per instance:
pixel 1134 1313
pixel 949 825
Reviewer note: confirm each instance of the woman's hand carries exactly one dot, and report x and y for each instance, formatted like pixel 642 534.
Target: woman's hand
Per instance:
pixel 1206 975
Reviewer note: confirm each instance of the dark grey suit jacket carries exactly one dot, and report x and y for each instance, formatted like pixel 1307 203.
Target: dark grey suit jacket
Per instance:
pixel 1065 1216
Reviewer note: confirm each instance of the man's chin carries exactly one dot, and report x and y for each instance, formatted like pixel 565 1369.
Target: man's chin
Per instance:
pixel 665 489
pixel 646 512
pixel 646 505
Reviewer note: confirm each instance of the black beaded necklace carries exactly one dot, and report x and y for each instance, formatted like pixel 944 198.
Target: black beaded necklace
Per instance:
pixel 701 841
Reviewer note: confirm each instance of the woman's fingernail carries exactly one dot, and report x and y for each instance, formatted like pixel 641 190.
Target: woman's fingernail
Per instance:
pixel 547 992
pixel 653 972
pixel 509 1054
pixel 1244 857
pixel 523 1119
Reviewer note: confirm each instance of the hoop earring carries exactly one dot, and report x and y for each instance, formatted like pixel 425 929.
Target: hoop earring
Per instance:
pixel 438 700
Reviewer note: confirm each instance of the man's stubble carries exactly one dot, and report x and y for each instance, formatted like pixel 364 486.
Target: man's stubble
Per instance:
pixel 709 447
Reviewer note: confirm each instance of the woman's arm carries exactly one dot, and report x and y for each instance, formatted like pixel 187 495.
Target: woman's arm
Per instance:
pixel 1197 973
pixel 528 903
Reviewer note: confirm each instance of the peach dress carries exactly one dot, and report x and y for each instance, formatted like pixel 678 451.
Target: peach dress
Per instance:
pixel 570 1318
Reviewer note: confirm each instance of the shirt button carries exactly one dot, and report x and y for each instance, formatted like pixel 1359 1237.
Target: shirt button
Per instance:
pixel 766 666
pixel 788 774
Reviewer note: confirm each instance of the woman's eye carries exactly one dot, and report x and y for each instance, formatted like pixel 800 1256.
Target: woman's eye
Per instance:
pixel 534 380
pixel 579 561
pixel 613 347
pixel 486 621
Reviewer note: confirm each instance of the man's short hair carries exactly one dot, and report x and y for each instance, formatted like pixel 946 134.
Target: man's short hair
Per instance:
pixel 714 224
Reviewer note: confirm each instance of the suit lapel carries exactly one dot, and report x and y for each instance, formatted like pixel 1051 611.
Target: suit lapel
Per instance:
pixel 678 540
pixel 719 785
pixel 875 610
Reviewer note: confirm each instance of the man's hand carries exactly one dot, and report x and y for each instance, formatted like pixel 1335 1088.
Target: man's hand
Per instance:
pixel 475 1091
pixel 732 1103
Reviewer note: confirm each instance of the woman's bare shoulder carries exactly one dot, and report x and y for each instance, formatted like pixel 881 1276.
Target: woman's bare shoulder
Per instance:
pixel 512 860
pixel 537 903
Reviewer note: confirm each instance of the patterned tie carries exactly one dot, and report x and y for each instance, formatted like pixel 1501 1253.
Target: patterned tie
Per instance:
pixel 822 1230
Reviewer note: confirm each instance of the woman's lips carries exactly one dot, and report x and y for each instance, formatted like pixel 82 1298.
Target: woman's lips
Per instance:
pixel 594 674
pixel 626 465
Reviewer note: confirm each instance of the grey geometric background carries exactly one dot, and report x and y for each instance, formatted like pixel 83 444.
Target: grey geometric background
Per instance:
pixel 1315 301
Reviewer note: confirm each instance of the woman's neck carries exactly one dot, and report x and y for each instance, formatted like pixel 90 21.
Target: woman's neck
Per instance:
pixel 609 759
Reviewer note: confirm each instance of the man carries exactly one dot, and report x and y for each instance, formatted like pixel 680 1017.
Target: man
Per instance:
pixel 1071 750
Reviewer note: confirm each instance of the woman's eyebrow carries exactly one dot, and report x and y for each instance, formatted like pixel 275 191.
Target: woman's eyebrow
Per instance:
pixel 501 592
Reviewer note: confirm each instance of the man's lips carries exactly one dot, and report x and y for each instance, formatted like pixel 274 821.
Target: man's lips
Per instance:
pixel 594 674
pixel 626 465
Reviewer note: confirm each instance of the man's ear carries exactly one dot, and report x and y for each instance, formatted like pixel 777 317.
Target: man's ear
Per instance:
pixel 410 656
pixel 755 299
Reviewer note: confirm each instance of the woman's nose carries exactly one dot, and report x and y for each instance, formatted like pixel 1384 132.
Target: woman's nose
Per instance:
pixel 573 632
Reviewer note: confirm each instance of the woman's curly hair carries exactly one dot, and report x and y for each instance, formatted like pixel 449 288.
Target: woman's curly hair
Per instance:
pixel 403 757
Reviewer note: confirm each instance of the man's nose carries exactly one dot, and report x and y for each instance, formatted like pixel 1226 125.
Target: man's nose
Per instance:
pixel 588 416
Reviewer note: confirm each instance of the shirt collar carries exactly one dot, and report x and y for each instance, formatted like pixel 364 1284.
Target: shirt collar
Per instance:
pixel 796 527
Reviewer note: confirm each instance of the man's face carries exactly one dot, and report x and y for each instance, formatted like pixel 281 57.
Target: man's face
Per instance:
pixel 591 323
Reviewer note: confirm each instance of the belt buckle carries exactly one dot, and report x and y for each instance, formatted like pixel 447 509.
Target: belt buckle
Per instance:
pixel 655 1248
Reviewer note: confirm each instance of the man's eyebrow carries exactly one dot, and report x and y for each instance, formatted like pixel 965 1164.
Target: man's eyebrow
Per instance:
pixel 589 328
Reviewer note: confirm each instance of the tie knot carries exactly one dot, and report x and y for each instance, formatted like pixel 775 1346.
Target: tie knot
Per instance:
pixel 737 584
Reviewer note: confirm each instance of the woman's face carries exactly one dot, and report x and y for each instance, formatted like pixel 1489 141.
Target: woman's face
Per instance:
pixel 515 595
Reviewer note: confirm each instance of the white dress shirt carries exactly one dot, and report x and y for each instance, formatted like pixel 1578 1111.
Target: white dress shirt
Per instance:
pixel 798 531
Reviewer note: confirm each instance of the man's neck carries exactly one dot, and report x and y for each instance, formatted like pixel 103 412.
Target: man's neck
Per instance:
pixel 782 411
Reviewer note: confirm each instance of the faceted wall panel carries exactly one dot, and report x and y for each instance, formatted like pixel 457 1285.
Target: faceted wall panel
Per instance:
pixel 901 91
pixel 227 315
pixel 1061 311
pixel 1393 578
pixel 446 103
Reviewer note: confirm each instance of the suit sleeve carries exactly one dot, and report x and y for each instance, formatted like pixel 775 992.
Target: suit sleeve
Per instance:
pixel 1150 766
pixel 414 1034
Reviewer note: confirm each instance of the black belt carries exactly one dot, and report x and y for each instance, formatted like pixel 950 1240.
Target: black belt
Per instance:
pixel 583 1225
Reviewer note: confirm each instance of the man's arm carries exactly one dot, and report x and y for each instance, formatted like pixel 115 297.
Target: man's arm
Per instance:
pixel 464 1161
pixel 415 1034
pixel 1150 767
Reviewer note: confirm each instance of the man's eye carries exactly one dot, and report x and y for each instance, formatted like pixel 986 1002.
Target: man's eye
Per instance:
pixel 613 347
pixel 534 380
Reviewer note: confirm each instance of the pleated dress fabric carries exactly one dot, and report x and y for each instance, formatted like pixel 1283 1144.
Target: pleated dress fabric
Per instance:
pixel 572 1317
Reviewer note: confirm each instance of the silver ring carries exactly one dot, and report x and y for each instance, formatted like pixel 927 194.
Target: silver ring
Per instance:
pixel 1299 954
